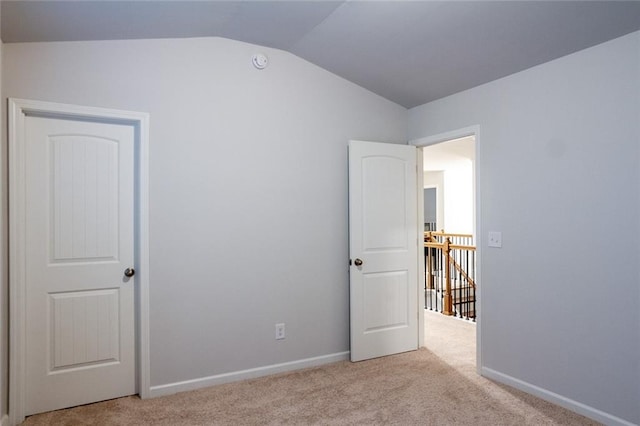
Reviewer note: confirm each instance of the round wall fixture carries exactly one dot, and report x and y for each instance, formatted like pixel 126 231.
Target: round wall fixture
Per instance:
pixel 260 61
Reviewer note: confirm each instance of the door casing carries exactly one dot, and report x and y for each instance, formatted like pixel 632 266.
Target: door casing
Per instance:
pixel 18 110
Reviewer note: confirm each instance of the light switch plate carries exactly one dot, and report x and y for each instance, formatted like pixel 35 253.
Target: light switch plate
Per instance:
pixel 495 239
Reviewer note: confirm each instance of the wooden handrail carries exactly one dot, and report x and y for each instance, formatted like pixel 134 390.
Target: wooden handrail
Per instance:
pixel 446 247
pixel 455 264
pixel 451 246
pixel 459 247
pixel 446 234
pixel 455 288
pixel 463 273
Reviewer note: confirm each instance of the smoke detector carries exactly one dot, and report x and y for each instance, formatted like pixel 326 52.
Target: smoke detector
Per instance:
pixel 260 61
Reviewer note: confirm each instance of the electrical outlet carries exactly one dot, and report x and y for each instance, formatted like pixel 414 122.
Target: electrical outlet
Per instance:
pixel 280 331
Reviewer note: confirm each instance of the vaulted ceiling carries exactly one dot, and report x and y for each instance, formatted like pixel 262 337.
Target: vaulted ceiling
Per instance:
pixel 410 52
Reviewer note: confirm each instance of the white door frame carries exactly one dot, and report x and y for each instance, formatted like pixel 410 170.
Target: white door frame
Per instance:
pixel 420 242
pixel 18 110
pixel 443 137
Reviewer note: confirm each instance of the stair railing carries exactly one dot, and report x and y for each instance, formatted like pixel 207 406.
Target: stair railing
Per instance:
pixel 450 285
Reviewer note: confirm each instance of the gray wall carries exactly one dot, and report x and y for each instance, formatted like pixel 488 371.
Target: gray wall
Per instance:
pixel 430 205
pixel 559 176
pixel 4 279
pixel 437 179
pixel 227 141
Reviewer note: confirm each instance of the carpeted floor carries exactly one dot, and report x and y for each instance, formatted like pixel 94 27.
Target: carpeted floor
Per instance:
pixel 436 385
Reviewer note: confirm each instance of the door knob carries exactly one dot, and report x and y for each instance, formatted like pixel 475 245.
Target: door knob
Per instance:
pixel 358 262
pixel 129 272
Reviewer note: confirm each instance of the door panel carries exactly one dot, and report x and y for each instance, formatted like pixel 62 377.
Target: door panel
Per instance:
pixel 385 300
pixel 79 240
pixel 383 198
pixel 383 231
pixel 84 220
pixel 84 328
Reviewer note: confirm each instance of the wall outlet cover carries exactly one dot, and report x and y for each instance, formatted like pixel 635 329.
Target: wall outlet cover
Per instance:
pixel 280 331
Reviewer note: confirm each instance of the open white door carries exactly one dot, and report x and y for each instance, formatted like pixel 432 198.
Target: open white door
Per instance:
pixel 383 249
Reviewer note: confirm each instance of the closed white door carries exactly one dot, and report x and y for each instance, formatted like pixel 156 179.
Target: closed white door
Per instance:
pixel 383 231
pixel 80 345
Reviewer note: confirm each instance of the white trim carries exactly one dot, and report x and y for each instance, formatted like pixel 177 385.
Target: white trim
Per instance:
pixel 17 317
pixel 18 110
pixel 420 242
pixel 447 136
pixel 251 373
pixel 569 404
pixel 457 134
pixel 144 356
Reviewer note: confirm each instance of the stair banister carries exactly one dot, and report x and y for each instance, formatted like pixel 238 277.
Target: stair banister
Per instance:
pixel 448 301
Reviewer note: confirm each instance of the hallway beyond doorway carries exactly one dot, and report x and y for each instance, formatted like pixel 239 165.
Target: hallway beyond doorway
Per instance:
pixel 451 339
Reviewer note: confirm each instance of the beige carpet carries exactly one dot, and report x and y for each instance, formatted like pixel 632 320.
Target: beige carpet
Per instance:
pixel 432 386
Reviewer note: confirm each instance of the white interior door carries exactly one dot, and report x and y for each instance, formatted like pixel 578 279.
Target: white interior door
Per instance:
pixel 383 231
pixel 80 343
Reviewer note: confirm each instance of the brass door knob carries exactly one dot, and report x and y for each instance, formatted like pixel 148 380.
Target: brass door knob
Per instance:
pixel 358 262
pixel 129 272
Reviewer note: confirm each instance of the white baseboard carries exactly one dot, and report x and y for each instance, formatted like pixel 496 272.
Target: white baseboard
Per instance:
pixel 569 404
pixel 4 421
pixel 252 373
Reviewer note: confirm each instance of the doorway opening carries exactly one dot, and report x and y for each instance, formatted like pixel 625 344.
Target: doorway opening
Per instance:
pixel 451 278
